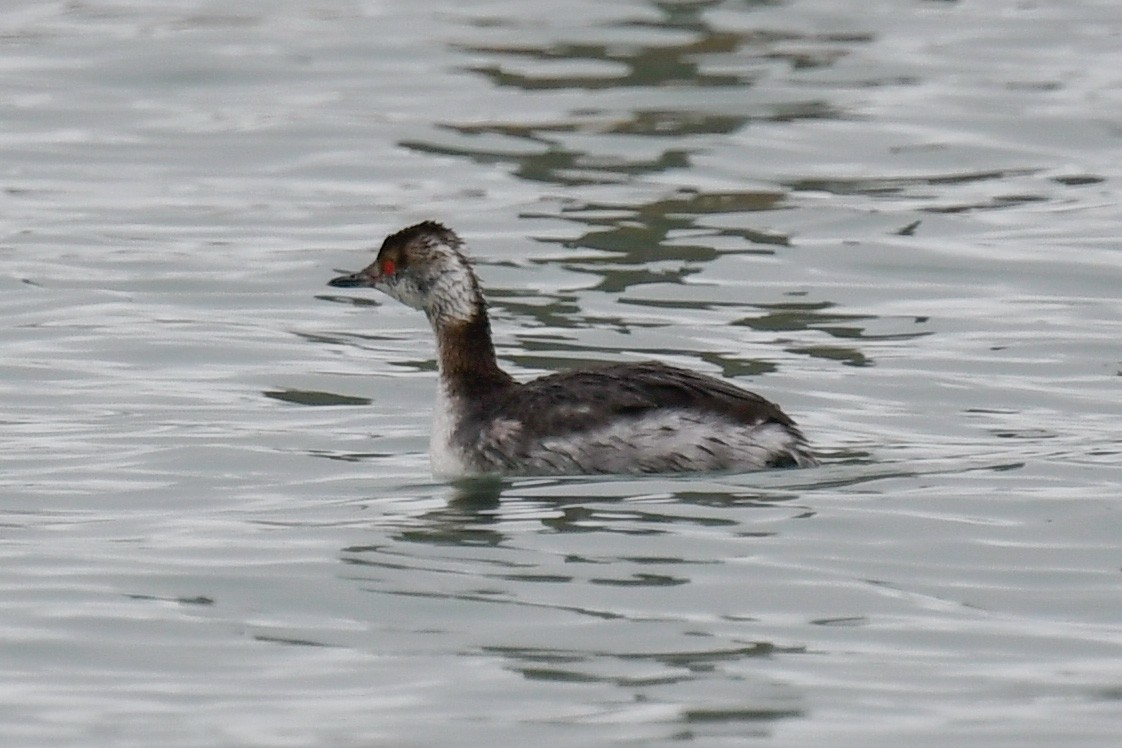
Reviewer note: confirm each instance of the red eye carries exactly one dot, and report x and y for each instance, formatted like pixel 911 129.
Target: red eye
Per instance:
pixel 388 267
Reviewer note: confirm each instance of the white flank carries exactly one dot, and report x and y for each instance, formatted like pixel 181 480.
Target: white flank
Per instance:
pixel 665 441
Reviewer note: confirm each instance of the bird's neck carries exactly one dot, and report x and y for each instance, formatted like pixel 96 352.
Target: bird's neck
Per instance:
pixel 466 355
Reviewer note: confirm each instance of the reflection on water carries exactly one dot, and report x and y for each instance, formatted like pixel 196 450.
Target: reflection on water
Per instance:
pixel 677 64
pixel 559 605
pixel 557 150
pixel 478 509
pixel 670 228
pixel 306 397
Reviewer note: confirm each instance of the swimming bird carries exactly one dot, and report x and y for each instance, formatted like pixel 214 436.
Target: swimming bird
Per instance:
pixel 617 418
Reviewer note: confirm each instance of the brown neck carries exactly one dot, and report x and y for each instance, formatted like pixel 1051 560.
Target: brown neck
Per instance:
pixel 467 356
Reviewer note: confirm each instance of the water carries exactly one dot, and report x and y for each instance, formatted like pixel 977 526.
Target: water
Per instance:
pixel 897 219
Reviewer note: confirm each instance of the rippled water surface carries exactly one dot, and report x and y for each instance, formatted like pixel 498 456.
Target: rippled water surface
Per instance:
pixel 898 218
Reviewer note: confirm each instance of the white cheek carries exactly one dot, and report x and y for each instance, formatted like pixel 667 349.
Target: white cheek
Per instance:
pixel 404 291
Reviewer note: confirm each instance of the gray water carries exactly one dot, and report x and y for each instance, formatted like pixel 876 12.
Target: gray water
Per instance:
pixel 898 218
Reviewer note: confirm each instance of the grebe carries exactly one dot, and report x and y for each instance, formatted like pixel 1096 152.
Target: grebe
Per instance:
pixel 618 418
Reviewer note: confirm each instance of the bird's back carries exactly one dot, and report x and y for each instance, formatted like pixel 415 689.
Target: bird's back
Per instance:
pixel 626 418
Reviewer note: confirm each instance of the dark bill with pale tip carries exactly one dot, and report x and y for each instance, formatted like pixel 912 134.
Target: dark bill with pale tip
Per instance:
pixel 350 280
